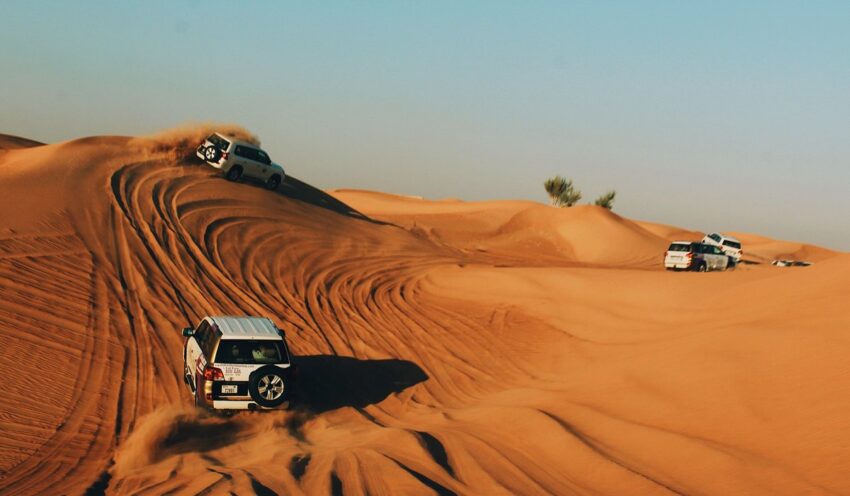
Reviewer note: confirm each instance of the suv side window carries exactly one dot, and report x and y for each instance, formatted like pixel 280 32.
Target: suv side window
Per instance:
pixel 262 157
pixel 715 237
pixel 202 334
pixel 243 152
pixel 210 344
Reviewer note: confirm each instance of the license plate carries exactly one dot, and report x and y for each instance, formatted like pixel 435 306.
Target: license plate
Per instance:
pixel 228 389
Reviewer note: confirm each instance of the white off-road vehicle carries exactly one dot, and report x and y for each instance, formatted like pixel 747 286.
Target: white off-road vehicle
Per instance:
pixel 701 257
pixel 240 159
pixel 237 363
pixel 730 246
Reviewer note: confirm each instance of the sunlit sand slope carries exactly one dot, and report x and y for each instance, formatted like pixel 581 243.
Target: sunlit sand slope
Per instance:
pixel 444 347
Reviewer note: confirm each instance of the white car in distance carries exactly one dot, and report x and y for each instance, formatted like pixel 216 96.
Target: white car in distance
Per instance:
pixel 237 159
pixel 689 255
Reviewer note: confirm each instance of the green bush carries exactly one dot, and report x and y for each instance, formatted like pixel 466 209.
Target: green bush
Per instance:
pixel 561 191
pixel 606 200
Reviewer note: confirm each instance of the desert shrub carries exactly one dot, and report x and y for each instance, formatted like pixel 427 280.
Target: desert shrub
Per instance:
pixel 561 191
pixel 606 200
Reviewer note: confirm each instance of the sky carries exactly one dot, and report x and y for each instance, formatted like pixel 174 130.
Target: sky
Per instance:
pixel 729 116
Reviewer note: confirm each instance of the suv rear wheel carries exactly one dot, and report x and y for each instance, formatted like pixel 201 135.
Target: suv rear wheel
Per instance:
pixel 198 403
pixel 702 267
pixel 234 173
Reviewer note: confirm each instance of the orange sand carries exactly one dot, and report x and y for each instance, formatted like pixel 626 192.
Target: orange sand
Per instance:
pixel 502 347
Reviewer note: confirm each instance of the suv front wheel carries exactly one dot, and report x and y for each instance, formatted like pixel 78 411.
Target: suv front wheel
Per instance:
pixel 273 182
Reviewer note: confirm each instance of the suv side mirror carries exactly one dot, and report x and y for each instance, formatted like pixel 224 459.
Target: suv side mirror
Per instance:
pixel 188 332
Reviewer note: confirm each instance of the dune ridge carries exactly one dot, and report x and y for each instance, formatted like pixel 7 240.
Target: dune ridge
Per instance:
pixel 445 347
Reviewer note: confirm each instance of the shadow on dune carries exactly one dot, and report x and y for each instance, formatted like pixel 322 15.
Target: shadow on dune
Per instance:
pixel 328 382
pixel 301 191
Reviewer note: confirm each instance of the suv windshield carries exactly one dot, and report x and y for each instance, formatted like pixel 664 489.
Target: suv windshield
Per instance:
pixel 733 244
pixel 250 351
pixel 218 141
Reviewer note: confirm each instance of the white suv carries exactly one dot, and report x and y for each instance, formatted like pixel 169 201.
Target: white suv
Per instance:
pixel 237 363
pixel 701 257
pixel 730 246
pixel 240 158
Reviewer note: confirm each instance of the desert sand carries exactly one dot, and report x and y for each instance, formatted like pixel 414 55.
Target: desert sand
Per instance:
pixel 499 347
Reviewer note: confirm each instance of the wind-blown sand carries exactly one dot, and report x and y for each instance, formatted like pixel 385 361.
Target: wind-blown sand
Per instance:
pixel 444 346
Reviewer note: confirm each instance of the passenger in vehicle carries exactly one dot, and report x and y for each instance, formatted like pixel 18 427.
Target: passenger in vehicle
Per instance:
pixel 263 353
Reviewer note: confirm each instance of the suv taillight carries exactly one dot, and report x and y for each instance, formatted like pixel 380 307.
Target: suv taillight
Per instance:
pixel 212 373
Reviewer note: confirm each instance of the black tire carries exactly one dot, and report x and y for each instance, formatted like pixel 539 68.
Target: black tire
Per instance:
pixel 186 375
pixel 702 267
pixel 268 386
pixel 234 173
pixel 198 402
pixel 273 182
pixel 212 154
pixel 731 264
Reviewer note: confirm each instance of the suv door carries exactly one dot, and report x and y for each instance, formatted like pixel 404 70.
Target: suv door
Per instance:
pixel 721 260
pixel 244 159
pixel 258 162
pixel 265 163
pixel 194 349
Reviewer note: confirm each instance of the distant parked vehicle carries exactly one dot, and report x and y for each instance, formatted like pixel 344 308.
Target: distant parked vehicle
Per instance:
pixel 237 363
pixel 791 263
pixel 730 246
pixel 701 257
pixel 239 158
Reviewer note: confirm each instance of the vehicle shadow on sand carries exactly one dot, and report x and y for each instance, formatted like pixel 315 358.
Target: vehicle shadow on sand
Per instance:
pixel 328 382
pixel 298 190
pixel 324 383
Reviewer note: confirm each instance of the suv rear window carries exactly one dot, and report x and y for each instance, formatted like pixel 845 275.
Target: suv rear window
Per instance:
pixel 732 244
pixel 250 351
pixel 679 247
pixel 218 141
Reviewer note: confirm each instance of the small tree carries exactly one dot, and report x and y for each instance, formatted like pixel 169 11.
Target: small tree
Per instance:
pixel 606 200
pixel 561 191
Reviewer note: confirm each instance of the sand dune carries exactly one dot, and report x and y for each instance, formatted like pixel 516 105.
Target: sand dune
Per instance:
pixel 500 347
pixel 9 142
pixel 521 230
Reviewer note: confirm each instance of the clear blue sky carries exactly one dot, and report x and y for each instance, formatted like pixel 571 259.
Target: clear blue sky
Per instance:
pixel 709 115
